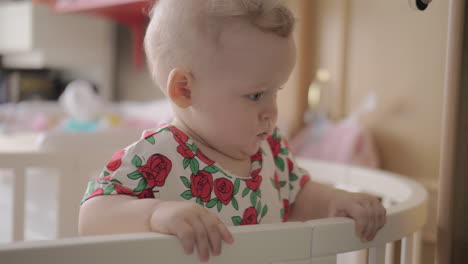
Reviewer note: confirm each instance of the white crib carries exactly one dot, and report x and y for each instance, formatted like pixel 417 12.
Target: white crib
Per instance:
pixel 318 241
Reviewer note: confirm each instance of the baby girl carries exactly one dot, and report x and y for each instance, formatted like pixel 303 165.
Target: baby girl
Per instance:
pixel 222 161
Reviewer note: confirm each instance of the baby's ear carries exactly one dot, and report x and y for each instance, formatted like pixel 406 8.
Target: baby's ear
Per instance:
pixel 179 87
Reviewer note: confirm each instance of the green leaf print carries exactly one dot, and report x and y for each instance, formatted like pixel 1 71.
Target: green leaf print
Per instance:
pixel 234 203
pixel 150 140
pixel 135 175
pixel 219 206
pixel 290 187
pixel 186 162
pixel 211 169
pixel 245 192
pixel 185 181
pixel 284 151
pixel 136 161
pixel 293 177
pixel 109 189
pixel 259 206
pixel 279 163
pixel 253 198
pixel 236 186
pixel 274 184
pixel 275 134
pixel 141 185
pixel 103 182
pixel 91 187
pixel 236 220
pixel 265 210
pixel 212 203
pixel 106 173
pixel 282 213
pixel 192 147
pixel 187 195
pixel 194 166
pixel 282 184
pixel 116 181
pixel 259 193
pixel 200 202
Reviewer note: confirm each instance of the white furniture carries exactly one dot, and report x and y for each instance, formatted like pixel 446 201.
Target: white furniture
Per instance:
pixel 33 37
pixel 319 240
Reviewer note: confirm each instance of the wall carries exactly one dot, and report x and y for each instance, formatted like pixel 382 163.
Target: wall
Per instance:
pixel 131 85
pixel 399 54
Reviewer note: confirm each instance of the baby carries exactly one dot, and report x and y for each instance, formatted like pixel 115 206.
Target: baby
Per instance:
pixel 222 161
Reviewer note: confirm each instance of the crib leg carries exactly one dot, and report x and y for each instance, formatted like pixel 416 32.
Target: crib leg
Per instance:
pixel 389 253
pixel 417 248
pixel 407 250
pixel 377 255
pixel 19 181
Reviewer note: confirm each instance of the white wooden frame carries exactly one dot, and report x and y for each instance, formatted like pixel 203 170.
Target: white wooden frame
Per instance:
pixel 297 242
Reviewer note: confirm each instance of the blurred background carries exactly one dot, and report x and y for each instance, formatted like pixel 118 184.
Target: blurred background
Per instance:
pixel 367 89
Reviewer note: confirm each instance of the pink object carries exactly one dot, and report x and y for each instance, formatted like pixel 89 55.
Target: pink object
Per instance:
pixel 343 142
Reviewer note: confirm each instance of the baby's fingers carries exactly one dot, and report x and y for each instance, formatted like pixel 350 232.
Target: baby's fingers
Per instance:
pixel 225 233
pixel 360 216
pixel 201 236
pixel 214 234
pixel 186 236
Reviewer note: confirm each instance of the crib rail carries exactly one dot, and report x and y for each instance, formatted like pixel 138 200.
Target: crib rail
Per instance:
pixel 318 241
pixel 73 170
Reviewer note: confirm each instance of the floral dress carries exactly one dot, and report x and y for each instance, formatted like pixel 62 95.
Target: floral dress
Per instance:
pixel 166 164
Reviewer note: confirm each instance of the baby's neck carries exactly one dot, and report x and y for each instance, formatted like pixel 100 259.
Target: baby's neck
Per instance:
pixel 239 167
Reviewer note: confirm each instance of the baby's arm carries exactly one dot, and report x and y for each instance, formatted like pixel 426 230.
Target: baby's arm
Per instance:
pixel 189 222
pixel 317 200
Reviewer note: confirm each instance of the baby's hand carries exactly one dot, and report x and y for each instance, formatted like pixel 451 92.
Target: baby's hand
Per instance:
pixel 365 209
pixel 193 225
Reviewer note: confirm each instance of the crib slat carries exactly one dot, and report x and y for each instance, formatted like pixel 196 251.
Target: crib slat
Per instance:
pixel 68 206
pixel 377 255
pixel 19 183
pixel 389 253
pixel 407 250
pixel 417 248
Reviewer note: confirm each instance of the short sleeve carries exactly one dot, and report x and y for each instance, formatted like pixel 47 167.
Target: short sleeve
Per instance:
pixel 131 173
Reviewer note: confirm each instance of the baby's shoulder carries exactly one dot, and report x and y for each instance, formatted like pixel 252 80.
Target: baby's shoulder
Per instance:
pixel 157 140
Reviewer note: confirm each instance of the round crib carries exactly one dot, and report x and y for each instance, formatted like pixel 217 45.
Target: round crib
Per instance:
pixel 318 241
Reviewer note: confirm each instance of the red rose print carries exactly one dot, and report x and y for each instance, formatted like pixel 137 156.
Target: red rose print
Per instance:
pixel 204 158
pixel 223 189
pixel 106 178
pixel 96 192
pixel 257 156
pixel 122 190
pixel 185 151
pixel 304 180
pixel 179 136
pixel 249 217
pixel 148 133
pixel 147 193
pixel 290 165
pixel 277 181
pixel 275 145
pixel 286 210
pixel 202 185
pixel 156 170
pixel 254 182
pixel 116 160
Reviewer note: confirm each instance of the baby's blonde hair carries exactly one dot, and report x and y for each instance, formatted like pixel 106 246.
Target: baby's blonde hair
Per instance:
pixel 176 23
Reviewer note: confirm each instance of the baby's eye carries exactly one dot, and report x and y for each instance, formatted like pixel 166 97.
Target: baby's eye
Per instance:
pixel 256 96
